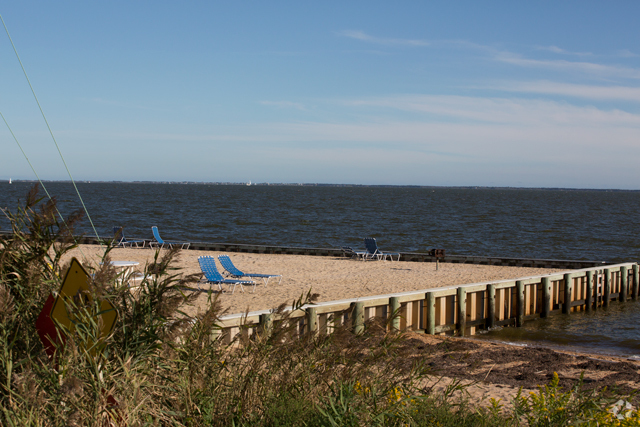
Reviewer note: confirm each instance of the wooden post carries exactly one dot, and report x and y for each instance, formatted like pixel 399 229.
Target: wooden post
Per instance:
pixel 546 297
pixel 596 289
pixel 588 300
pixel 623 284
pixel 394 302
pixel 216 334
pixel 636 283
pixel 491 306
pixel 357 317
pixel 431 313
pixel 462 310
pixel 606 292
pixel 568 291
pixel 312 320
pixel 266 324
pixel 520 303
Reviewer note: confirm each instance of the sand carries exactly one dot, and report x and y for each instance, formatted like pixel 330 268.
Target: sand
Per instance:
pixel 333 278
pixel 498 371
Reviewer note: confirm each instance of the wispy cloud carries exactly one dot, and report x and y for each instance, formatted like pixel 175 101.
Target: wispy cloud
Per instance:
pixel 459 120
pixel 590 68
pixel 570 66
pixel 560 51
pixel 285 104
pixel 626 53
pixel 362 36
pixel 622 93
pixel 522 112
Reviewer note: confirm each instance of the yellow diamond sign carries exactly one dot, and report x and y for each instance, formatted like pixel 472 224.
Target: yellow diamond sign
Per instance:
pixel 74 293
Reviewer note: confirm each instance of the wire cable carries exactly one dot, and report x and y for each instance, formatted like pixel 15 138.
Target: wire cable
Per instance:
pixel 39 180
pixel 50 131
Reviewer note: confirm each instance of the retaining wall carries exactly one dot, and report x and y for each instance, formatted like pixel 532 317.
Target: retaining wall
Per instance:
pixel 460 310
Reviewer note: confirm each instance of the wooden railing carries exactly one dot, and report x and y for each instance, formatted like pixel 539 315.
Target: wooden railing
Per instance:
pixel 460 310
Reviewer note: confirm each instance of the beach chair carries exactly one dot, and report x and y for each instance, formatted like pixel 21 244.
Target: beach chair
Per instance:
pixel 120 241
pixel 213 277
pixel 234 272
pixel 161 243
pixel 348 251
pixel 374 252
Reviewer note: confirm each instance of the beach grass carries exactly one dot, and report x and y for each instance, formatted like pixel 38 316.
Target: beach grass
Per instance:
pixel 160 366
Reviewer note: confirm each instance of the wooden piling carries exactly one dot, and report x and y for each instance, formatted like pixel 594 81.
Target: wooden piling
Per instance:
pixel 462 310
pixel 597 297
pixel 312 320
pixel 520 308
pixel 394 303
pixel 622 297
pixel 636 283
pixel 568 292
pixel 606 291
pixel 216 334
pixel 357 317
pixel 588 300
pixel 546 297
pixel 266 324
pixel 431 313
pixel 491 306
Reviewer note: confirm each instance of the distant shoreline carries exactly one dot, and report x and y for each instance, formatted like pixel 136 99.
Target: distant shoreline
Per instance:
pixel 311 184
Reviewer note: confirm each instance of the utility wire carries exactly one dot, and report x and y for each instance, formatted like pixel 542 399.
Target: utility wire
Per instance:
pixel 50 131
pixel 39 180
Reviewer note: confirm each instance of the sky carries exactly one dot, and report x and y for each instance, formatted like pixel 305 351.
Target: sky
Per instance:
pixel 464 93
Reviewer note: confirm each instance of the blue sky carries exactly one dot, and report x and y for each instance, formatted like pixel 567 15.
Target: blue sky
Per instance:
pixel 537 94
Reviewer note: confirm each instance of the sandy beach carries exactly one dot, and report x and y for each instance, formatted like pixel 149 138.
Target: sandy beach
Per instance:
pixel 334 278
pixel 491 370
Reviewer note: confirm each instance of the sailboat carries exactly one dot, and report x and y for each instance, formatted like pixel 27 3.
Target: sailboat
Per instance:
pixel 249 183
pixel 9 180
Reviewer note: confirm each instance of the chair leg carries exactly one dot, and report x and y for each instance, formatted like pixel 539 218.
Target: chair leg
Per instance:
pixel 234 287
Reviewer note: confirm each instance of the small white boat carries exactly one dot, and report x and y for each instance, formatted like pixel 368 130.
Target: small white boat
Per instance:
pixel 9 180
pixel 248 183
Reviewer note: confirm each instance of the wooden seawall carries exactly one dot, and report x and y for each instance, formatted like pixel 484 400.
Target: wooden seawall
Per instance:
pixel 406 256
pixel 460 310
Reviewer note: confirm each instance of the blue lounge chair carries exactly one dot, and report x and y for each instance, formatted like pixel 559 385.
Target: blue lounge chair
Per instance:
pixel 213 277
pixel 120 240
pixel 374 252
pixel 161 243
pixel 234 272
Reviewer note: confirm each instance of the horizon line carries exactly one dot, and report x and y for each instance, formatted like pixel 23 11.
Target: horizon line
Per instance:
pixel 318 184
